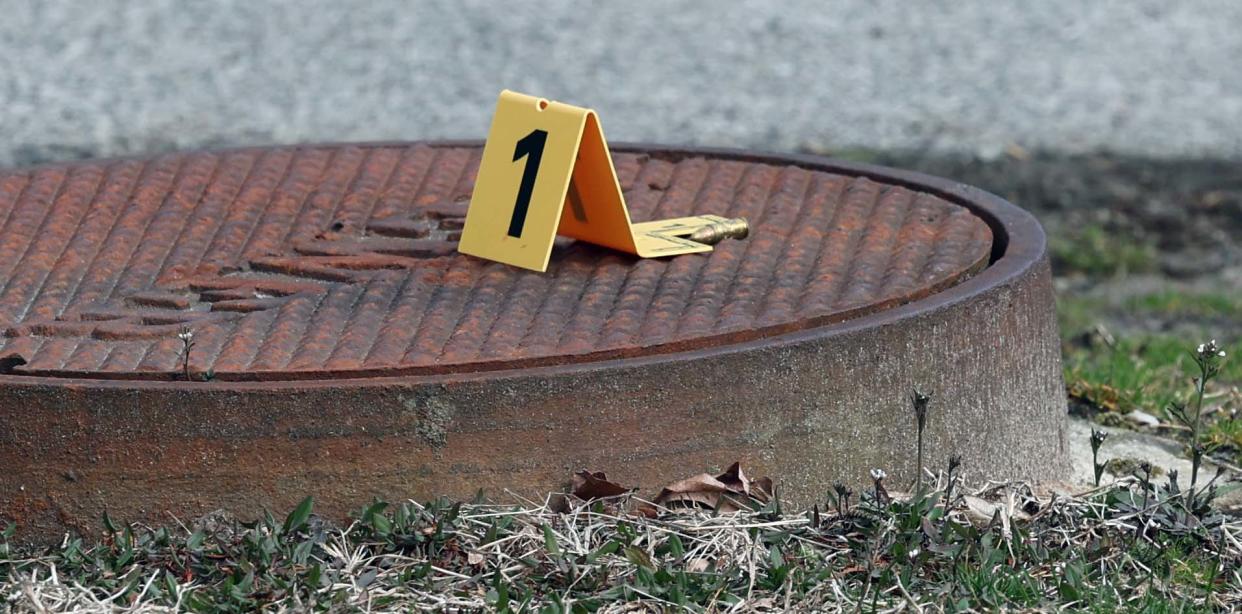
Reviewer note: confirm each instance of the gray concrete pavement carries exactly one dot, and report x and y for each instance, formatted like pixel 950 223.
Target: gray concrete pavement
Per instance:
pixel 105 77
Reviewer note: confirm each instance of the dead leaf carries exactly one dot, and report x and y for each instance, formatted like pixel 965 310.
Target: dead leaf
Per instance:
pixel 697 565
pixel 1102 396
pixel 762 489
pixel 701 490
pixel 558 503
pixel 727 492
pixel 588 486
pixel 474 559
pixel 734 478
pixel 979 510
pixel 983 512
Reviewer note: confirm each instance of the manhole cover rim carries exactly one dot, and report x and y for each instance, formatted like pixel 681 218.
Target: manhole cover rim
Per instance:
pixel 1019 244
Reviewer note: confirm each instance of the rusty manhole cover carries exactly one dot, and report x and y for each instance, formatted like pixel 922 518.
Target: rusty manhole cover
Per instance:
pixel 329 262
pixel 339 339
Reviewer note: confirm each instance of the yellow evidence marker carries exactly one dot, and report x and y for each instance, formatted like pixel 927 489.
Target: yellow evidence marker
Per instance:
pixel 541 155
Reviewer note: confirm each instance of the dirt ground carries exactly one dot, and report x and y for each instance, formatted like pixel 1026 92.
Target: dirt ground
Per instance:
pixel 1122 226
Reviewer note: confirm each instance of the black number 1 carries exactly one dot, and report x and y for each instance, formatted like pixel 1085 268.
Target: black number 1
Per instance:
pixel 531 145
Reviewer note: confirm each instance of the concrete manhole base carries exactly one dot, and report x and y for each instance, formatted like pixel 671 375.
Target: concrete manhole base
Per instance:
pixel 342 349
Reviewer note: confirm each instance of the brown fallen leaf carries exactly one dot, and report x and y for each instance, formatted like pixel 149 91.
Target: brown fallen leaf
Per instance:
pixel 697 565
pixel 728 492
pixel 981 512
pixel 760 490
pixel 588 486
pixel 734 478
pixel 559 503
pixel 701 490
pixel 764 485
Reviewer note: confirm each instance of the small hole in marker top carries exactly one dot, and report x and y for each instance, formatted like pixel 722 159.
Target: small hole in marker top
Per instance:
pixel 543 104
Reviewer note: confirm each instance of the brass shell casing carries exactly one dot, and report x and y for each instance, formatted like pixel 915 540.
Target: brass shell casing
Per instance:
pixel 736 228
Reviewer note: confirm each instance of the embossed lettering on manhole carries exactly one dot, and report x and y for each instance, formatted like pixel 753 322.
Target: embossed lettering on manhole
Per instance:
pixel 340 262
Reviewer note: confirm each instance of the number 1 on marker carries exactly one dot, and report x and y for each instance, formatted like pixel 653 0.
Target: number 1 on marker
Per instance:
pixel 531 148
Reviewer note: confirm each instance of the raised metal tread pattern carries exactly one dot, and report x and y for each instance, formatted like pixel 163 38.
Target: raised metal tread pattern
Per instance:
pixel 340 261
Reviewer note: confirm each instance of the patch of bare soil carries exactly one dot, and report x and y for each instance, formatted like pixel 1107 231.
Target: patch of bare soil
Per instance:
pixel 1120 226
pixel 1189 210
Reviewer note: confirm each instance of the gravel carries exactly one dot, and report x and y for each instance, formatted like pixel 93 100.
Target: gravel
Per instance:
pixel 109 77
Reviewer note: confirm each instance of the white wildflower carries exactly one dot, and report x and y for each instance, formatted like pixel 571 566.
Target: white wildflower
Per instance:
pixel 1210 350
pixel 878 474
